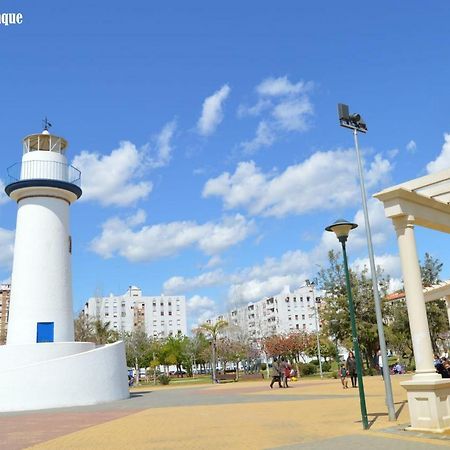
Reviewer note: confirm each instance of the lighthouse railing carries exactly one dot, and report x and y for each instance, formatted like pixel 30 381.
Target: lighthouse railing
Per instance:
pixel 44 170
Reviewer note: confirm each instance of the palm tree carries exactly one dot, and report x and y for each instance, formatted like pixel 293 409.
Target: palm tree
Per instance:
pixel 212 331
pixel 103 334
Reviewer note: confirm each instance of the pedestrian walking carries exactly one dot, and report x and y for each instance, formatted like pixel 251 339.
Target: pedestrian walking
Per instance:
pixel 287 374
pixel 350 365
pixel 380 363
pixel 343 375
pixel 283 364
pixel 276 376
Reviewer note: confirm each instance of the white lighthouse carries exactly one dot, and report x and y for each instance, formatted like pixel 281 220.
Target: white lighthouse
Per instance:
pixel 40 351
pixel 41 283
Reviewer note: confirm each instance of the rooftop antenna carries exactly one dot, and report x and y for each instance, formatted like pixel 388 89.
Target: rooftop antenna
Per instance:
pixel 46 124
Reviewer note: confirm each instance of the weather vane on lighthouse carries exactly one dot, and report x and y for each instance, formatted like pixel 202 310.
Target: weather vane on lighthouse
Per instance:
pixel 46 124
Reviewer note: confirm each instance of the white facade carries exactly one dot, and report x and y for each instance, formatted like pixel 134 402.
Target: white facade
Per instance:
pixel 282 313
pixel 40 353
pixel 160 316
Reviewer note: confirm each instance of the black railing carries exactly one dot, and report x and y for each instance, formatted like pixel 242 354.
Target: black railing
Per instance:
pixel 43 170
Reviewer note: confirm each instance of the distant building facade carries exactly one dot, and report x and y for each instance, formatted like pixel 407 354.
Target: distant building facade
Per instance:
pixel 160 316
pixel 279 314
pixel 5 292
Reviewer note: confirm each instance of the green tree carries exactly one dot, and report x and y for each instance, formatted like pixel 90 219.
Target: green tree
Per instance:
pixel 335 313
pixel 84 328
pixel 212 333
pixel 137 350
pixel 103 333
pixel 436 310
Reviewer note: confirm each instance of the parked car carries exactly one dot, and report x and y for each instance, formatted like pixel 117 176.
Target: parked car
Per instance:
pixel 178 372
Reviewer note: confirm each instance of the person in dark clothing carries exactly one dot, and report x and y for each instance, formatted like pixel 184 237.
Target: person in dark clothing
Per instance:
pixel 351 369
pixel 276 374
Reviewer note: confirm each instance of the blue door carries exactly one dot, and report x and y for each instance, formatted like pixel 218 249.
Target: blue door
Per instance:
pixel 45 331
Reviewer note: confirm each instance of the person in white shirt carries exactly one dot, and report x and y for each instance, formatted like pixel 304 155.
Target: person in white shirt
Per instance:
pixel 380 363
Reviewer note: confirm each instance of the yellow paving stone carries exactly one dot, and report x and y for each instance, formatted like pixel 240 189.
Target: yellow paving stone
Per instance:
pixel 303 417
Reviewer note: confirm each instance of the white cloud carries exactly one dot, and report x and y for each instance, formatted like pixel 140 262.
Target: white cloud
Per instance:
pixel 214 261
pixel 200 309
pixel 393 153
pixel 6 248
pixel 256 109
pixel 3 197
pixel 378 172
pixel 381 228
pixel 163 147
pixel 390 263
pixel 212 113
pixel 285 107
pixel 442 162
pixel 411 146
pixel 280 86
pixel 179 285
pixel 198 302
pixel 112 179
pixel 292 115
pixel 264 138
pixel 294 266
pixel 301 188
pixel 151 242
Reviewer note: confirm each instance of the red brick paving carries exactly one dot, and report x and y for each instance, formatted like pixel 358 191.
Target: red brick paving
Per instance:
pixel 25 430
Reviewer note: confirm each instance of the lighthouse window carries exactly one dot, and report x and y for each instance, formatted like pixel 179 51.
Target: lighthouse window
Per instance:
pixel 70 244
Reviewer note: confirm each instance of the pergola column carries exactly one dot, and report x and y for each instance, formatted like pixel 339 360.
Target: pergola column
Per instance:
pixel 447 303
pixel 420 333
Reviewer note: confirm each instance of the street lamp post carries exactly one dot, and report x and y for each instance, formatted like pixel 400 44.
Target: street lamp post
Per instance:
pixel 356 123
pixel 342 228
pixel 311 285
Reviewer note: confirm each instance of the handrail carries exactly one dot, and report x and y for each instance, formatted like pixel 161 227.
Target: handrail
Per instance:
pixel 43 170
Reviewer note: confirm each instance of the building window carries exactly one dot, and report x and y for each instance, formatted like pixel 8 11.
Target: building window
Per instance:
pixel 124 314
pixel 162 313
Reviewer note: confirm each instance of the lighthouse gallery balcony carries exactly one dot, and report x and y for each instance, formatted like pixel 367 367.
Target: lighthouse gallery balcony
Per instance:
pixel 44 170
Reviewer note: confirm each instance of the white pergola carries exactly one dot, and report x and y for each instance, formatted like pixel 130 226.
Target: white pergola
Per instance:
pixel 440 291
pixel 425 202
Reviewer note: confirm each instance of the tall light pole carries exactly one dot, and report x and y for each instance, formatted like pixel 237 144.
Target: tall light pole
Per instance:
pixel 311 285
pixel 356 123
pixel 342 228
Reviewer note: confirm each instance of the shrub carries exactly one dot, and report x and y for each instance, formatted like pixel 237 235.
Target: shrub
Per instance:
pixel 333 374
pixel 164 379
pixel 263 366
pixel 326 366
pixel 307 369
pixel 370 371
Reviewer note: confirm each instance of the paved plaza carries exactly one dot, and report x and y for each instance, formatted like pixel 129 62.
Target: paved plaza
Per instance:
pixel 312 414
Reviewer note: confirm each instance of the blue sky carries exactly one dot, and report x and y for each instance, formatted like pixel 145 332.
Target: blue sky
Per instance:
pixel 208 138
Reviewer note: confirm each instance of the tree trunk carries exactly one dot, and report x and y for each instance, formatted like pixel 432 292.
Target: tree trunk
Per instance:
pixel 213 357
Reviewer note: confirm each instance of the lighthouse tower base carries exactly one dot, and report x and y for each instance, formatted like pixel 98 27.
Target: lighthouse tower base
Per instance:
pixel 61 374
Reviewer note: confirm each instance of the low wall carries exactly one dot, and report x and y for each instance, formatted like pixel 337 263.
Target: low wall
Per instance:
pixel 89 377
pixel 15 356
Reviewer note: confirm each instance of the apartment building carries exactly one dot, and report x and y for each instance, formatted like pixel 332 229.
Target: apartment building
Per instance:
pixel 282 313
pixel 5 291
pixel 160 316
